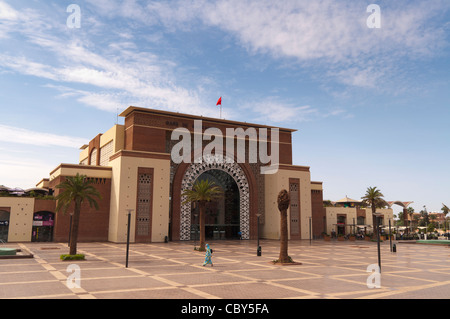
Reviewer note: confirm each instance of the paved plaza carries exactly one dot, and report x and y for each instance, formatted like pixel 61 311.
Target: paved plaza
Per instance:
pixel 174 271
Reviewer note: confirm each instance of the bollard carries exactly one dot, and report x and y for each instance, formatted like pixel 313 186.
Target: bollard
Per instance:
pixel 258 252
pixel 394 248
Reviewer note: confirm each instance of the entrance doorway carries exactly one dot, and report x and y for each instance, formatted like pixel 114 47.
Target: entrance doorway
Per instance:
pixel 341 221
pixel 222 216
pixel 233 170
pixel 4 225
pixel 42 227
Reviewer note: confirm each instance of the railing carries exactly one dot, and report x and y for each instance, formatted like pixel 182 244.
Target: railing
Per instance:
pixel 217 231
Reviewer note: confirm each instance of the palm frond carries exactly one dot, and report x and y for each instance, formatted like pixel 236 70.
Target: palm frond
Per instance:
pixel 203 190
pixel 374 197
pixel 76 188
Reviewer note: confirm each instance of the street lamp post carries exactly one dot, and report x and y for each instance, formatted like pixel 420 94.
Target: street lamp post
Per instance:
pixel 310 231
pixel 258 249
pixel 354 227
pixel 196 231
pixel 377 215
pixel 390 236
pixel 128 236
pixel 448 230
pixel 70 230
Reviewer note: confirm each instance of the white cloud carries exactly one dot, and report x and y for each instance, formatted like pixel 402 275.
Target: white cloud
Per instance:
pixel 22 65
pixel 325 35
pixel 330 33
pixel 118 74
pixel 10 134
pixel 7 12
pixel 23 172
pixel 275 110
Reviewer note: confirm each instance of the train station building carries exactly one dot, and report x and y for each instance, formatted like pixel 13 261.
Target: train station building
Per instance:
pixel 141 167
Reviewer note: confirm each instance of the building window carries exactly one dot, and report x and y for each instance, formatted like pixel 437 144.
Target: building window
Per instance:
pixel 144 205
pixel 105 153
pixel 294 187
pixel 4 226
pixel 361 220
pixel 93 158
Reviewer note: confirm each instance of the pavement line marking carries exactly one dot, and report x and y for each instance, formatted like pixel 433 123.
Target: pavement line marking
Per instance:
pixel 114 291
pixel 28 282
pixel 412 278
pixel 367 291
pixel 308 292
pixel 166 281
pixel 62 278
pixel 200 293
pixel 223 283
pixel 406 289
pixel 58 296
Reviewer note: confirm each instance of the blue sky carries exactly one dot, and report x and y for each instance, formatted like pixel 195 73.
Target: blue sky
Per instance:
pixel 371 105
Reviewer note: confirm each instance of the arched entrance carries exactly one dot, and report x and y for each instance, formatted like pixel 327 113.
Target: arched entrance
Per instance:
pixel 222 218
pixel 230 170
pixel 42 227
pixel 4 225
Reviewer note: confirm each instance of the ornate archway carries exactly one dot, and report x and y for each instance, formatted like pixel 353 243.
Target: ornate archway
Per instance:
pixel 229 166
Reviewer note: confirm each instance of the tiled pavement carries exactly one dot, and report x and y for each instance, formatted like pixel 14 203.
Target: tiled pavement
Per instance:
pixel 174 271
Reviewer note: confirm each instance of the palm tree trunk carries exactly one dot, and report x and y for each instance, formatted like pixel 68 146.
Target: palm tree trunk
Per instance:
pixel 374 217
pixel 202 207
pixel 283 258
pixel 74 230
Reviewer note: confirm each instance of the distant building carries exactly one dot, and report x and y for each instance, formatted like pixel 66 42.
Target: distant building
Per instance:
pixel 349 216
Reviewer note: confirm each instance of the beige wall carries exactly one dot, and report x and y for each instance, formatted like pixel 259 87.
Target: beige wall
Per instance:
pixel 332 212
pixel 73 170
pixel 115 133
pixel 84 154
pixel 20 218
pixel 331 217
pixel 274 183
pixel 124 194
pixel 44 183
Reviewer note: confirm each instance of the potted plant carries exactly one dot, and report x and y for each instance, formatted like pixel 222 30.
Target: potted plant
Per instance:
pixel 341 237
pixel 368 237
pixel 352 237
pixel 326 237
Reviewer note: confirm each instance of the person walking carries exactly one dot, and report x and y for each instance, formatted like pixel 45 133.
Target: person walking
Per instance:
pixel 208 256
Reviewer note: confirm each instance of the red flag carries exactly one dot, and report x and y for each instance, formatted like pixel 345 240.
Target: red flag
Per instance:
pixel 219 102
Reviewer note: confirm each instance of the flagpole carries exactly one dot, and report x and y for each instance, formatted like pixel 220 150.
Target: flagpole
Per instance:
pixel 219 102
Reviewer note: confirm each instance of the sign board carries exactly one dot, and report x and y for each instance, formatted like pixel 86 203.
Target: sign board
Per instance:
pixel 39 223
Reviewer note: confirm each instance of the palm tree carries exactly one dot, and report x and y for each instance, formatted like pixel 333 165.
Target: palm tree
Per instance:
pixel 410 212
pixel 374 199
pixel 445 209
pixel 202 192
pixel 75 190
pixel 283 205
pixel 416 219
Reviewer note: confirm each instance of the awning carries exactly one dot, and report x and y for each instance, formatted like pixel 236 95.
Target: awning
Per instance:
pixel 348 200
